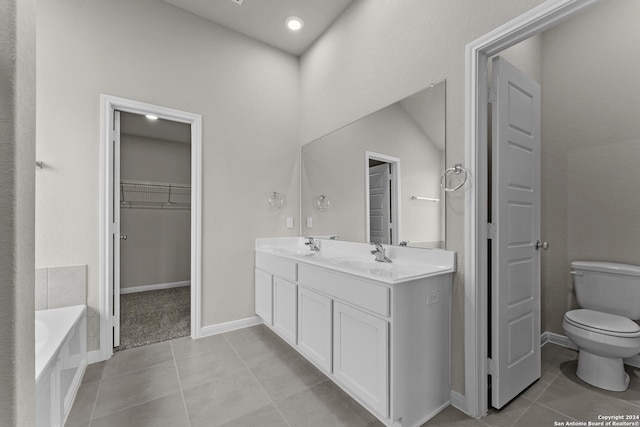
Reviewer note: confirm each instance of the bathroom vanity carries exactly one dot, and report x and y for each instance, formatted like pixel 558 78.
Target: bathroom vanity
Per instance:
pixel 380 331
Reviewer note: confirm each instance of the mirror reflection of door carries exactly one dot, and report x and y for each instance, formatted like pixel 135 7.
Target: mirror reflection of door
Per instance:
pixel 380 217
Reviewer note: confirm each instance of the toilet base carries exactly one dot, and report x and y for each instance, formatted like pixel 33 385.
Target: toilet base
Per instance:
pixel 603 372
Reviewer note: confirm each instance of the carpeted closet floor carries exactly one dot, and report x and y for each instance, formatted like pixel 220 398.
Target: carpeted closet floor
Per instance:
pixel 154 316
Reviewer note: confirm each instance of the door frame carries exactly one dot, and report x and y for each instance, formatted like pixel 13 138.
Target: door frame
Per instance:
pixel 108 104
pixel 395 188
pixel 477 54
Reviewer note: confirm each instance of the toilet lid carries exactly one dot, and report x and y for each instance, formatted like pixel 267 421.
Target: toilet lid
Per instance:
pixel 607 323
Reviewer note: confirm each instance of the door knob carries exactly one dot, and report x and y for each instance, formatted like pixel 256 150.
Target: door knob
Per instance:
pixel 123 237
pixel 543 245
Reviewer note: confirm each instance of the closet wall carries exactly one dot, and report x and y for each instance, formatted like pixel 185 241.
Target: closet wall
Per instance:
pixel 158 245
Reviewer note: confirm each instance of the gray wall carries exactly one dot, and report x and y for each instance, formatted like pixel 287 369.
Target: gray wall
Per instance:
pixel 591 147
pixel 158 245
pixel 17 170
pixel 150 51
pixel 379 52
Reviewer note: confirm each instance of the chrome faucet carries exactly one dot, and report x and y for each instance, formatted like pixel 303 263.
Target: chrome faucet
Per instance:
pixel 379 253
pixel 312 244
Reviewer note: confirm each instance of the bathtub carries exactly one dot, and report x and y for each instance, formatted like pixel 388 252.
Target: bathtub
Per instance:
pixel 61 359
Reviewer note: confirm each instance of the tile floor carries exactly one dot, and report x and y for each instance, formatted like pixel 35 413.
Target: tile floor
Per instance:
pixel 252 378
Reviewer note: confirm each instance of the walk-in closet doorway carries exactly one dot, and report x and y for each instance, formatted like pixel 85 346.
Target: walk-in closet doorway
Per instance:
pixel 151 220
pixel 155 203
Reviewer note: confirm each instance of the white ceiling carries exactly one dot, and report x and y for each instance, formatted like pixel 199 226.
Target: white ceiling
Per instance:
pixel 264 20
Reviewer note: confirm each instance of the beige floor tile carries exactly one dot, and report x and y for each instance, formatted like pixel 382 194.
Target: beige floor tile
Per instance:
pixel 134 359
pixel 539 416
pixel 631 395
pixel 450 416
pixel 131 389
pixel 94 372
pixel 188 347
pixel 82 408
pixel 320 406
pixel 224 399
pixel 267 416
pixel 262 349
pixel 258 332
pixel 284 377
pixel 552 359
pixel 584 403
pixel 207 367
pixel 167 411
pixel 507 415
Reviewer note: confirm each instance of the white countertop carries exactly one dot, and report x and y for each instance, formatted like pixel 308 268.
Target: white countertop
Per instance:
pixel 355 259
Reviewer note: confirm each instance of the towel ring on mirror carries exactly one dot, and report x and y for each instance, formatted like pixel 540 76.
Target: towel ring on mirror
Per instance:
pixel 457 168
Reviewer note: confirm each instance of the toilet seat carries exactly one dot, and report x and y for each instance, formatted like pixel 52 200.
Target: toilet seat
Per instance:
pixel 603 323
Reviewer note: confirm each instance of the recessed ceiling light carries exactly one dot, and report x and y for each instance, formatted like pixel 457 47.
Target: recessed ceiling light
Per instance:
pixel 294 23
pixel 151 117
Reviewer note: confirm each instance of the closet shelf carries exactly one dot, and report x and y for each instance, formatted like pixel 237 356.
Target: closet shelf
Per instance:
pixel 158 195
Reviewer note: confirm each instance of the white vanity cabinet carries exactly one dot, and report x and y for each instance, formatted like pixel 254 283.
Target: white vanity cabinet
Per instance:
pixel 285 303
pixel 361 355
pixel 380 332
pixel 264 296
pixel 314 327
pixel 276 296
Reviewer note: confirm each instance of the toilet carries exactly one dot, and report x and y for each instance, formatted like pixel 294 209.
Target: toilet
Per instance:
pixel 603 328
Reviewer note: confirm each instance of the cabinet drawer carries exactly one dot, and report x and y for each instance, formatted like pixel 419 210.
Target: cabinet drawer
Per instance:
pixel 369 296
pixel 276 266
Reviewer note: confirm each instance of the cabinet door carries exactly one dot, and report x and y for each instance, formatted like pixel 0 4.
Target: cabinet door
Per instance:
pixel 361 355
pixel 314 327
pixel 285 302
pixel 264 296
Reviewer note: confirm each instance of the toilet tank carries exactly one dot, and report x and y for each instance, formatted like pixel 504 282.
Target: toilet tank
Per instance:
pixel 608 287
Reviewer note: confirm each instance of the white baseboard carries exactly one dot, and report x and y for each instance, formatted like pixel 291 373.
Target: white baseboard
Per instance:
pixel 550 337
pixel 94 356
pixel 155 287
pixel 633 361
pixel 458 401
pixel 220 328
pixel 566 342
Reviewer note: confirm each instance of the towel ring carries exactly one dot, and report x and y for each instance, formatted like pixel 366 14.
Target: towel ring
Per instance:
pixel 457 168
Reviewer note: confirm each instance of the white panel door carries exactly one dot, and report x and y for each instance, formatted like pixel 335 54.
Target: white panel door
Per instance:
pixel 314 327
pixel 264 296
pixel 515 282
pixel 115 135
pixel 379 204
pixel 361 355
pixel 285 313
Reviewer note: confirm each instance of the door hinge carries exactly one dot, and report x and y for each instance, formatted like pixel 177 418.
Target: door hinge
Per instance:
pixel 491 230
pixel 491 96
pixel 491 367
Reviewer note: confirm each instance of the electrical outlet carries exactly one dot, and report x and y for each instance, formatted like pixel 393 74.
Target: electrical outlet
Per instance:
pixel 433 296
pixel 289 222
pixel 309 222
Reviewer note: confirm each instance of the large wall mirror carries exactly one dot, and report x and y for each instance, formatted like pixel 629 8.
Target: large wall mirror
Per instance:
pixel 378 179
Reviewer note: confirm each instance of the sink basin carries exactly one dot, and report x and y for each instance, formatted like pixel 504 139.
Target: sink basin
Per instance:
pixel 294 252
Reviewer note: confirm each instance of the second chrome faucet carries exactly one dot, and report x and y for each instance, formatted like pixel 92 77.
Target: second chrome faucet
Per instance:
pixel 379 252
